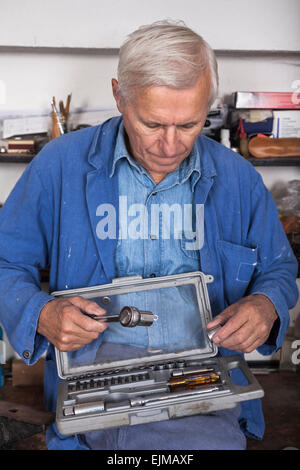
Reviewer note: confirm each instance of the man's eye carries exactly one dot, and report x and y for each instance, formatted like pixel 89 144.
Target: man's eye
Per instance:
pixel 152 125
pixel 187 126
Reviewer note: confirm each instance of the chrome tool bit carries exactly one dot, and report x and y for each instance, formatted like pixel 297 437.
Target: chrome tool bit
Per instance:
pixel 128 317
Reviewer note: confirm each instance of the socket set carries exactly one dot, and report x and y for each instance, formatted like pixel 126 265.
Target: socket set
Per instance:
pixel 137 386
pixel 103 390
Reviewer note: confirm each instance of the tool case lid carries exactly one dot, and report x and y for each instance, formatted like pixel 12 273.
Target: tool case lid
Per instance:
pixel 181 304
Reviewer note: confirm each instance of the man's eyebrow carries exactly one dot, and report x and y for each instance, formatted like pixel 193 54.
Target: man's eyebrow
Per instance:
pixel 157 123
pixel 190 123
pixel 150 121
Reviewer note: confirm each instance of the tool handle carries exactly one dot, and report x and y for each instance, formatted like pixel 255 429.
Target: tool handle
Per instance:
pixel 109 318
pixel 193 380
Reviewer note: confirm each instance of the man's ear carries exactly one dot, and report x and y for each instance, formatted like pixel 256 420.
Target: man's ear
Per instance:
pixel 115 86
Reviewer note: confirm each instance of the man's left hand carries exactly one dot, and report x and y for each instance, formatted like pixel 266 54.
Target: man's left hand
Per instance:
pixel 246 324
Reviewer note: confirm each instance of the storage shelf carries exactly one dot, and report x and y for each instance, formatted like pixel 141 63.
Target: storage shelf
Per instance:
pixel 271 161
pixel 274 161
pixel 15 158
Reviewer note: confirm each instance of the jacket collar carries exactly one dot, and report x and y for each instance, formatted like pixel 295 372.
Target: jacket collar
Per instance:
pixel 208 168
pixel 102 149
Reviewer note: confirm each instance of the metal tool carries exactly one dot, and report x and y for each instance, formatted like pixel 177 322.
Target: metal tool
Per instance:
pixel 83 408
pixel 128 317
pixel 193 380
pixel 181 372
pixel 140 401
pixel 99 405
pixel 213 331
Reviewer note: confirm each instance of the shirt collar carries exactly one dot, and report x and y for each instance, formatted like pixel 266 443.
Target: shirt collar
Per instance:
pixel 189 168
pixel 122 152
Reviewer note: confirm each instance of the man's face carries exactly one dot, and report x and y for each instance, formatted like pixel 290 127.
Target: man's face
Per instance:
pixel 162 124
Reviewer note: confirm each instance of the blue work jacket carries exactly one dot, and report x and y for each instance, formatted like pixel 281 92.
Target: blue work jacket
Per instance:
pixel 50 219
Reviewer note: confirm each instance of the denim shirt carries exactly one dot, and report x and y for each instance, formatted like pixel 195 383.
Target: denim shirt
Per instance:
pixel 152 243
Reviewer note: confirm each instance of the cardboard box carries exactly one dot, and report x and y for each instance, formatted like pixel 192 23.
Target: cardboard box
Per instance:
pixel 266 100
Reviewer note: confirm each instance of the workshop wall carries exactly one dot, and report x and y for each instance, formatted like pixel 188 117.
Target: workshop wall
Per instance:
pixel 32 77
pixel 228 25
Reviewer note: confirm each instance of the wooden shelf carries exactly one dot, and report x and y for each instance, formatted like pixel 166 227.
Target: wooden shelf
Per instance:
pixel 274 161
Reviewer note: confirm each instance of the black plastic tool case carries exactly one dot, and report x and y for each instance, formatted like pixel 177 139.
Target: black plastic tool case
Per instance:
pixel 107 384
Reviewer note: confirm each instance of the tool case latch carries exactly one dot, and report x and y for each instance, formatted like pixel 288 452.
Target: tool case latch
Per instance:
pixel 149 416
pixel 125 279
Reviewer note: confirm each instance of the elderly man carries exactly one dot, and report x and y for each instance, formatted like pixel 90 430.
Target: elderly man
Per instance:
pixel 153 154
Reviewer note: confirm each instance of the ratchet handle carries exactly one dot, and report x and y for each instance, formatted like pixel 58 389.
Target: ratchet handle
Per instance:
pixel 110 318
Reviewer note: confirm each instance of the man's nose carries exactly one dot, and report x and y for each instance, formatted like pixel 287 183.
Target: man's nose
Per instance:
pixel 170 141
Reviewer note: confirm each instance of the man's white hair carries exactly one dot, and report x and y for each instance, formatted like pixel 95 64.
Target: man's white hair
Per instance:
pixel 165 53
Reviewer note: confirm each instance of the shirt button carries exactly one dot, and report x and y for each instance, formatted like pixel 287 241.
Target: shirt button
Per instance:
pixel 26 354
pixel 152 275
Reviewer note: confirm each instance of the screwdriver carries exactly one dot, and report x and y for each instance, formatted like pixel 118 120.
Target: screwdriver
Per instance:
pixel 192 380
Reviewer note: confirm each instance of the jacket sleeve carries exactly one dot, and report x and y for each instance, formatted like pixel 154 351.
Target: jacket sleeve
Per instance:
pixel 276 268
pixel 25 237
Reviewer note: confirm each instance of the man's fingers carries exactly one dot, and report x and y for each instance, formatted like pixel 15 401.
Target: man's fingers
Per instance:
pixel 239 341
pixel 87 306
pixel 76 322
pixel 64 324
pixel 231 329
pixel 245 325
pixel 80 306
pixel 222 318
pixel 246 345
pixel 230 322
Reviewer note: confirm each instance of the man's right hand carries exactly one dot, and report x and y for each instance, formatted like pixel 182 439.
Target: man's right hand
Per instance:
pixel 64 324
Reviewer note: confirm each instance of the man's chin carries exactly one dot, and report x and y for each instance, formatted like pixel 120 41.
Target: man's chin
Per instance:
pixel 165 161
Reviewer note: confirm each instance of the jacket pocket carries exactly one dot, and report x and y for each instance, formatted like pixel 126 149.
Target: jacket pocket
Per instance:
pixel 238 265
